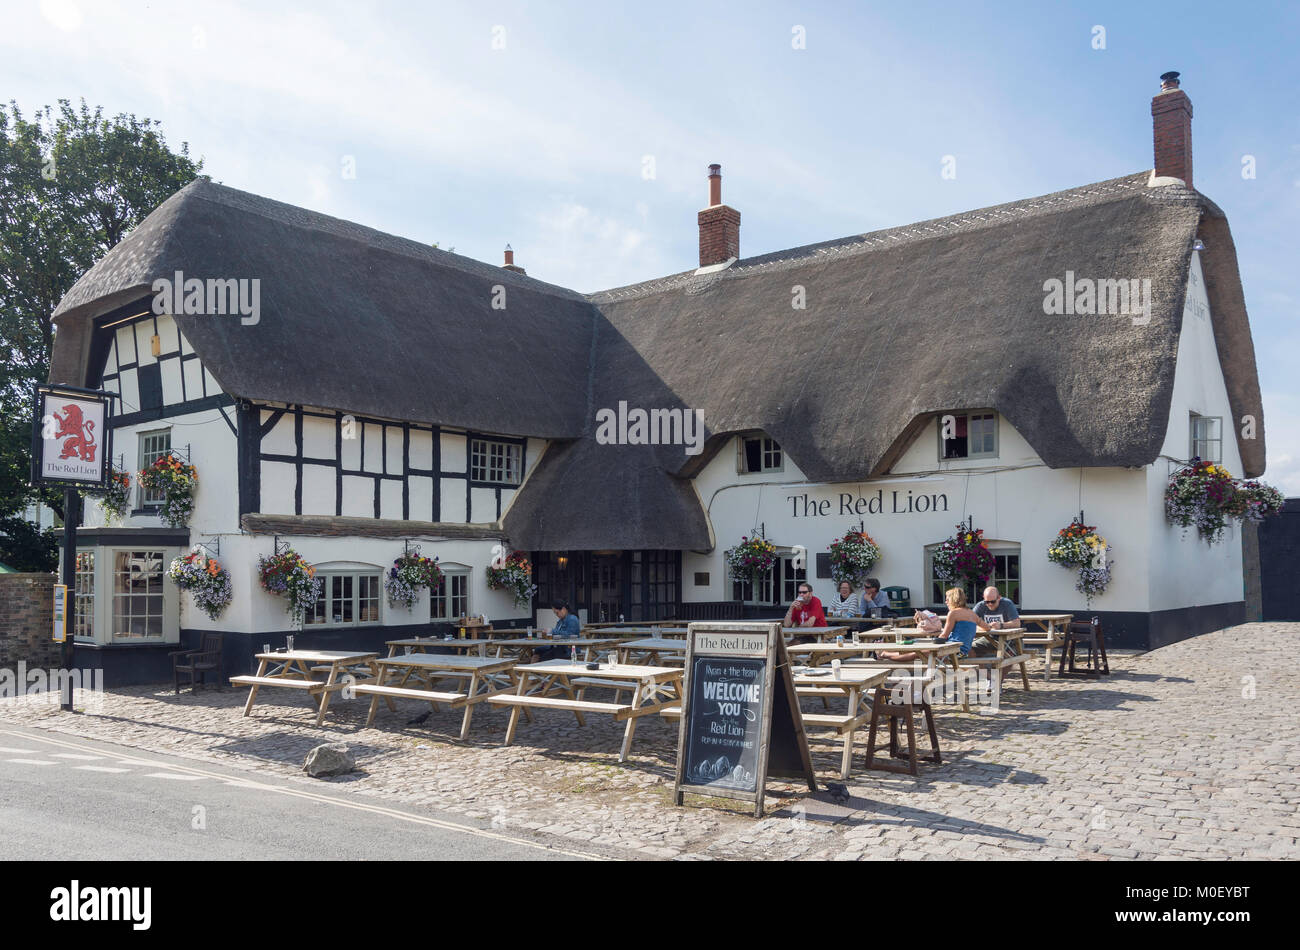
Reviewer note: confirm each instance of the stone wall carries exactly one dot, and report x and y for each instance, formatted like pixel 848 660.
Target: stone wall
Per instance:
pixel 27 621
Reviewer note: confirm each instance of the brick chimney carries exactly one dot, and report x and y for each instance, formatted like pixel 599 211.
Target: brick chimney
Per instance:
pixel 510 262
pixel 1171 119
pixel 719 225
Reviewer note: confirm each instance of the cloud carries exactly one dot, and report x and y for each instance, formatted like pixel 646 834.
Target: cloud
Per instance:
pixel 62 14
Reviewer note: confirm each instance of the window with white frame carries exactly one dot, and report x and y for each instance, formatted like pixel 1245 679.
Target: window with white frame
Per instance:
pixel 776 586
pixel 138 595
pixel 759 454
pixel 968 435
pixel 450 598
pixel 346 599
pixel 1207 438
pixel 83 601
pixel 500 463
pixel 1006 575
pixel 153 445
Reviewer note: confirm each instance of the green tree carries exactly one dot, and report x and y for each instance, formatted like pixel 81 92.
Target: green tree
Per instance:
pixel 72 184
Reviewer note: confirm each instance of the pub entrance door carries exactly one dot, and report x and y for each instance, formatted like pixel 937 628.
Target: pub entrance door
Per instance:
pixel 605 590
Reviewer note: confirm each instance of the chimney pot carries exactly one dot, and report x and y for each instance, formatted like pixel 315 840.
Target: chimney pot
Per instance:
pixel 719 225
pixel 510 262
pixel 1169 80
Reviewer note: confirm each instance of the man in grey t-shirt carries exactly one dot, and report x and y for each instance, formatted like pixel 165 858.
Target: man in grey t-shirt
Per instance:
pixel 998 612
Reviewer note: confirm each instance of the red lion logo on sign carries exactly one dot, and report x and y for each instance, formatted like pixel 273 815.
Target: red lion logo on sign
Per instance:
pixel 77 432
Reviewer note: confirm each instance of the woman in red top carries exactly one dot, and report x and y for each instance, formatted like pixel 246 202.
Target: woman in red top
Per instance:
pixel 806 611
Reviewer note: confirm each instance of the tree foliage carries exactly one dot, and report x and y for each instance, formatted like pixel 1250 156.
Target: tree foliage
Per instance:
pixel 72 184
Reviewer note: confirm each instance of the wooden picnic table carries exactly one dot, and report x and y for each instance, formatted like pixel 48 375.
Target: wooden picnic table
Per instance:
pixel 292 670
pixel 1010 653
pixel 422 645
pixel 485 677
pixel 559 684
pixel 821 633
pixel 649 650
pixel 851 683
pixel 1052 627
pixel 523 648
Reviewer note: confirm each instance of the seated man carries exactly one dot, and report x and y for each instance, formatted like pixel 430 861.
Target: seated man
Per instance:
pixel 806 611
pixel 875 597
pixel 998 612
pixel 568 627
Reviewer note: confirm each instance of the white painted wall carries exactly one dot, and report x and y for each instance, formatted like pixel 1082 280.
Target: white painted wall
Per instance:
pixel 1186 571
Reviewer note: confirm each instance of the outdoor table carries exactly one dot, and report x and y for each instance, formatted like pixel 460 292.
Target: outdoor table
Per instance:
pixel 551 685
pixel 1004 658
pixel 851 683
pixel 292 671
pixel 422 644
pixel 648 650
pixel 524 647
pixel 487 676
pixel 1053 627
pixel 822 633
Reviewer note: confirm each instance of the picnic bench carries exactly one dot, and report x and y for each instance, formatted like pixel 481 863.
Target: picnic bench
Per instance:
pixel 485 677
pixel 290 670
pixel 850 684
pixel 560 684
pixel 1049 635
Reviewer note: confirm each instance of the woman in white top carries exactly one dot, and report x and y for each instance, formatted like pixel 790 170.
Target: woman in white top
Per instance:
pixel 846 603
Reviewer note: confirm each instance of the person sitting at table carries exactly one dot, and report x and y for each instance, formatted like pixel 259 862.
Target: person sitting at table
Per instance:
pixel 846 603
pixel 567 627
pixel 998 612
pixel 958 627
pixel 806 611
pixel 874 597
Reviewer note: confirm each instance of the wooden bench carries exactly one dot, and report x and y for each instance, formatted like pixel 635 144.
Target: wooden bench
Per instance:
pixel 578 706
pixel 283 681
pixel 403 692
pixel 1047 644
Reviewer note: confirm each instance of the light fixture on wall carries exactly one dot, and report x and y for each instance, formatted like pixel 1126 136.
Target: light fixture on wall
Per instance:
pixel 562 562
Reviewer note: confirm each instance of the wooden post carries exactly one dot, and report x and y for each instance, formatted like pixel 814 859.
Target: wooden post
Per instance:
pixel 71 519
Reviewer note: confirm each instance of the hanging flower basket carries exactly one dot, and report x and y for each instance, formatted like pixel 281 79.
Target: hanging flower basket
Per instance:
pixel 516 576
pixel 1205 496
pixel 409 575
pixel 289 575
pixel 206 581
pixel 175 480
pixel 750 559
pixel 852 558
pixel 964 558
pixel 1079 546
pixel 116 496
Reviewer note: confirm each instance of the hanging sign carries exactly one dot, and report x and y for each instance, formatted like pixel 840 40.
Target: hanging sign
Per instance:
pixel 70 437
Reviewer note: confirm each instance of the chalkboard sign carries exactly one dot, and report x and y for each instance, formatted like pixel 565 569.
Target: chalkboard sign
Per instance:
pixel 740 719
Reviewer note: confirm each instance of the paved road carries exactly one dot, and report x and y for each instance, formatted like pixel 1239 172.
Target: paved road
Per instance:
pixel 85 799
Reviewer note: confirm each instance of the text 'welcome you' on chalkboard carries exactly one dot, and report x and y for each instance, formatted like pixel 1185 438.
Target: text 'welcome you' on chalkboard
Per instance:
pixel 727 706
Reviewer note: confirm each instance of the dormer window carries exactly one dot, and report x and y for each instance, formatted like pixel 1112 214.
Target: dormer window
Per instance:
pixel 759 454
pixel 968 435
pixel 1207 438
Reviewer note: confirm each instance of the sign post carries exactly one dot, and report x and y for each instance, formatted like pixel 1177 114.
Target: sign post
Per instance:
pixel 740 714
pixel 71 445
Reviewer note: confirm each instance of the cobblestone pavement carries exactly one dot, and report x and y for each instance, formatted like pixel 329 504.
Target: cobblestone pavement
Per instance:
pixel 1190 751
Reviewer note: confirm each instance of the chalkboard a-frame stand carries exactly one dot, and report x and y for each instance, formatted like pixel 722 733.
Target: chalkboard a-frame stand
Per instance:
pixel 740 714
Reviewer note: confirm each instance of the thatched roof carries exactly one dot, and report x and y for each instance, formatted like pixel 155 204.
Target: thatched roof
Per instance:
pixel 351 318
pixel 898 325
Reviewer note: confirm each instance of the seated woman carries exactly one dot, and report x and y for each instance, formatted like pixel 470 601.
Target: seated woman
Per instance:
pixel 846 603
pixel 958 627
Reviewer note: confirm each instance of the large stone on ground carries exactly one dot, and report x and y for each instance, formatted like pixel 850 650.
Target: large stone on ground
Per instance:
pixel 329 759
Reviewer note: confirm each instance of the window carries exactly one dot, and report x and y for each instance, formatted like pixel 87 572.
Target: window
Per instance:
pixel 138 595
pixel 346 600
pixel 83 604
pixel 1006 575
pixel 500 463
pixel 450 599
pixel 759 455
pixel 1207 438
pixel 654 584
pixel 974 435
pixel 777 586
pixel 152 446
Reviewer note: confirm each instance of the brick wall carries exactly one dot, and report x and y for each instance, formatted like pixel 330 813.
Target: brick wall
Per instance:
pixel 1171 116
pixel 27 620
pixel 719 235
